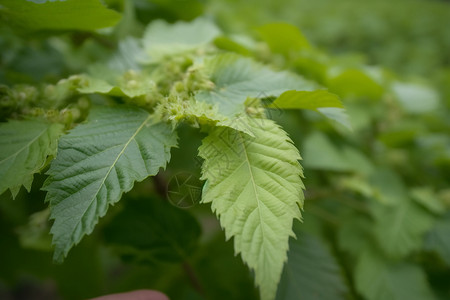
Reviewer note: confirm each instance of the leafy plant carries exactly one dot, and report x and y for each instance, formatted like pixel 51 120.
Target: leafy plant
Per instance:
pixel 177 102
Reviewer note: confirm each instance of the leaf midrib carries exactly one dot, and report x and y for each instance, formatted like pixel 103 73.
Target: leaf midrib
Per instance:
pixel 252 178
pixel 112 166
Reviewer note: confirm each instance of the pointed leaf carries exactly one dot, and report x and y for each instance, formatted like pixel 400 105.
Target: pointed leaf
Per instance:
pixel 97 162
pixel 25 146
pixel 311 271
pixel 255 187
pixel 237 78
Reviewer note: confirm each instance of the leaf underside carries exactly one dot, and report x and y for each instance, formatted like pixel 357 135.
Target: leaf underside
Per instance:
pixel 97 162
pixel 236 78
pixel 254 185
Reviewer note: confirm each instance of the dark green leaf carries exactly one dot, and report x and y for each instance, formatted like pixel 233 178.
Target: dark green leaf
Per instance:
pixel 152 230
pixel 97 162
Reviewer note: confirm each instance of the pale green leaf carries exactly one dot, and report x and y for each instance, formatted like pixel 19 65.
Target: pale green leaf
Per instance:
pixel 337 114
pixel 236 78
pixel 164 39
pixel 255 187
pixel 129 55
pixel 24 148
pixel 103 81
pixel 59 15
pixel 320 153
pixel 311 271
pixel 199 113
pixel 97 162
pixel 377 279
pixel 415 98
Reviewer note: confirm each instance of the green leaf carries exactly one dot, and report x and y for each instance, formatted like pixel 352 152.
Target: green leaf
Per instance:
pixel 283 38
pixel 131 84
pixel 355 234
pixel 337 114
pixel 129 55
pixel 200 113
pixel 236 78
pixel 400 223
pixel 400 228
pixel 311 271
pixel 232 279
pixel 34 234
pixel 320 153
pixel 354 83
pixel 255 187
pixel 25 147
pixel 97 162
pixel 376 279
pixel 438 239
pixel 152 230
pixel 231 45
pixel 59 15
pixel 414 98
pixel 426 197
pixel 306 100
pixel 164 39
pixel 322 101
